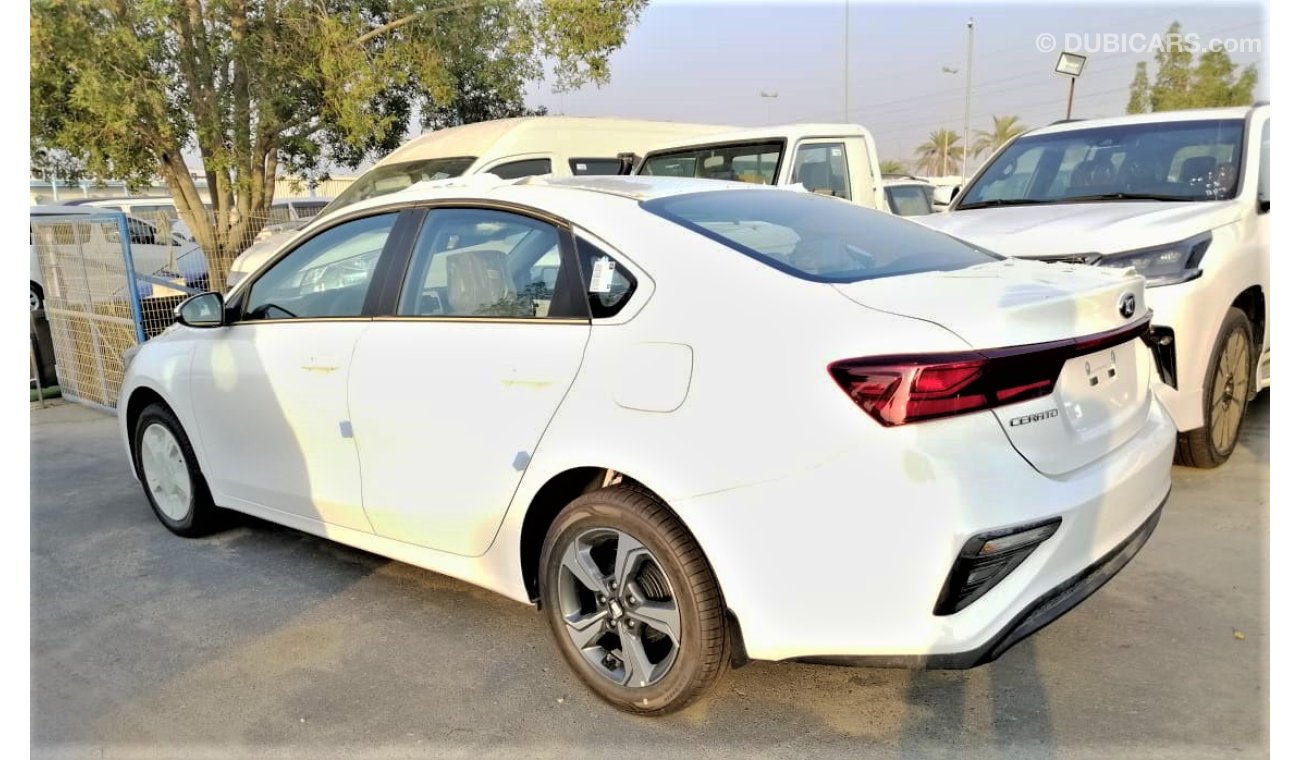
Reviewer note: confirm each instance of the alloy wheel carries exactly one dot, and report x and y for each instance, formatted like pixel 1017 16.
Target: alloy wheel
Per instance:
pixel 618 607
pixel 165 473
pixel 1228 394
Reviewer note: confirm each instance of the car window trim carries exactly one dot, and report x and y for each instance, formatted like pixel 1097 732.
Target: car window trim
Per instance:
pixel 386 307
pixel 782 143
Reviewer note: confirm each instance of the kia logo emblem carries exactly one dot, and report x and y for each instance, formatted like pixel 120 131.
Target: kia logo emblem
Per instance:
pixel 1128 305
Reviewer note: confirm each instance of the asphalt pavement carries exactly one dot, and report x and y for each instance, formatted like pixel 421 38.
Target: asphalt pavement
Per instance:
pixel 262 641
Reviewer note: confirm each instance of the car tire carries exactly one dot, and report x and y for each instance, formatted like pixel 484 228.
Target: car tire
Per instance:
pixel 169 473
pixel 37 298
pixel 1229 386
pixel 622 645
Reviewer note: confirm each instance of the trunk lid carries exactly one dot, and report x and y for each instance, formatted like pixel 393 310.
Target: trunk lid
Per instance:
pixel 1102 395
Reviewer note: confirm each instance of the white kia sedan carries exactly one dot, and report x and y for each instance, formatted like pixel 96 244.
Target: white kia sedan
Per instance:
pixel 695 422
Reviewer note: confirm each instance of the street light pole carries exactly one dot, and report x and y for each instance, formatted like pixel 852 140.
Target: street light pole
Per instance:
pixel 970 59
pixel 1069 104
pixel 846 61
pixel 946 147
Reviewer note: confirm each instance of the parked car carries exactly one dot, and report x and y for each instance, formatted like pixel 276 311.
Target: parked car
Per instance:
pixel 896 449
pixel 1183 198
pixel 153 209
pixel 160 256
pixel 839 160
pixel 507 148
pixel 909 196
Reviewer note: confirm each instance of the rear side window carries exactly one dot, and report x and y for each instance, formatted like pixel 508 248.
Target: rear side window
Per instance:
pixel 581 167
pixel 519 169
pixel 609 284
pixel 488 263
pixel 816 238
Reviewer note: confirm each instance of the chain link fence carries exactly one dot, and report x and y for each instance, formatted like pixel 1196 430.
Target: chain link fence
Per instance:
pixel 90 302
pixel 106 280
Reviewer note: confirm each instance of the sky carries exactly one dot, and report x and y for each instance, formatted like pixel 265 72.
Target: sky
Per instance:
pixel 711 61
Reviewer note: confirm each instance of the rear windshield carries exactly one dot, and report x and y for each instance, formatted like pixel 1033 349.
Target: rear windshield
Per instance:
pixel 817 238
pixel 752 162
pixel 393 178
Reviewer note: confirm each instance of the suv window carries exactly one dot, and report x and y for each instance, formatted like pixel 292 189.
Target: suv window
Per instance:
pixel 822 168
pixel 327 276
pixel 754 162
pixel 530 167
pixel 587 166
pixel 487 263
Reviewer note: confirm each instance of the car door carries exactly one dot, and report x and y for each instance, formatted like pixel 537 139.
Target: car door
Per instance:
pixel 451 395
pixel 270 390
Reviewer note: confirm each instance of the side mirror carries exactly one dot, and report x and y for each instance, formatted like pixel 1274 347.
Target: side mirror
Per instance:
pixel 202 310
pixel 944 195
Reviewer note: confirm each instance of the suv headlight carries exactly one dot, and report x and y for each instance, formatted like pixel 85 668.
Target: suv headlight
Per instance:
pixel 1164 264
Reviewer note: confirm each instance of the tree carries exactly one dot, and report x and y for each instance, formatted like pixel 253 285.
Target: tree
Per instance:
pixel 1139 93
pixel 1004 128
pixel 1212 82
pixel 127 88
pixel 940 153
pixel 893 166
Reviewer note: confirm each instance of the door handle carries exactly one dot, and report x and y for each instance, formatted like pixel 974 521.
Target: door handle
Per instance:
pixel 320 368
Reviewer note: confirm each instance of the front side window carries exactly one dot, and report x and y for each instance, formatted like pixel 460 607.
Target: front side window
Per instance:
pixel 487 263
pixel 530 167
pixel 393 178
pixel 816 238
pixel 752 162
pixel 327 276
pixel 910 200
pixel 1175 161
pixel 822 168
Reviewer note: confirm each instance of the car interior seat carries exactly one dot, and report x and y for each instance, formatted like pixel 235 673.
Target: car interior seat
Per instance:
pixel 816 176
pixel 478 282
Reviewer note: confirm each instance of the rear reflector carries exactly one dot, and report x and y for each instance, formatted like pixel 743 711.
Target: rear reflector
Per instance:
pixel 986 559
pixel 896 390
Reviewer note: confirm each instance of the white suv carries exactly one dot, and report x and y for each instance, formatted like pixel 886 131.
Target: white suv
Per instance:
pixel 1183 198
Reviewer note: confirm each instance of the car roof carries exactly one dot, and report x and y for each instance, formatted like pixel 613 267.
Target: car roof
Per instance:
pixel 525 134
pixel 1162 117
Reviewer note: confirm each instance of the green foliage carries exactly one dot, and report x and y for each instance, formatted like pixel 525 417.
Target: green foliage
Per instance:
pixel 941 154
pixel 128 88
pixel 1183 82
pixel 1139 95
pixel 893 166
pixel 1004 128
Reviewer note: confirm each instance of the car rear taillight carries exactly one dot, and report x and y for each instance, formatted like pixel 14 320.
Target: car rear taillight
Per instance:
pixel 896 390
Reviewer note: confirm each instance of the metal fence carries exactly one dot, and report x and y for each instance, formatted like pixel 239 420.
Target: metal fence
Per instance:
pixel 107 281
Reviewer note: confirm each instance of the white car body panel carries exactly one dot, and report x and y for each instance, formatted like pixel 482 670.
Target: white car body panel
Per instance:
pixel 737 426
pixel 1237 260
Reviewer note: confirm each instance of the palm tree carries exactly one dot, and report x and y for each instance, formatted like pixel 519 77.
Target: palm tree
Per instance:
pixel 1004 128
pixel 940 153
pixel 893 166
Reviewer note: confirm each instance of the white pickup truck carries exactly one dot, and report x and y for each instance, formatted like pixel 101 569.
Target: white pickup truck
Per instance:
pixel 1183 198
pixel 831 159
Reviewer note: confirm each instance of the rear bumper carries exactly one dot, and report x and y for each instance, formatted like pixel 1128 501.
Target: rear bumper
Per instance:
pixel 846 560
pixel 1041 613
